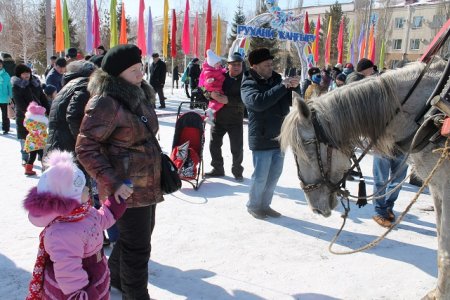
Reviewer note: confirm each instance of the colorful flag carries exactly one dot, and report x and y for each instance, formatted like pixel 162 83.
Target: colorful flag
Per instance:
pixel 208 27
pixel 123 27
pixel 350 44
pixel 66 25
pixel 113 23
pixel 340 41
pixel 165 38
pixel 173 42
pixel 149 33
pixel 88 27
pixel 328 43
pixel 141 28
pixel 218 36
pixel 186 39
pixel 315 49
pixel 306 24
pixel 361 42
pixel 381 63
pixel 196 36
pixel 59 40
pixel 370 45
pixel 96 27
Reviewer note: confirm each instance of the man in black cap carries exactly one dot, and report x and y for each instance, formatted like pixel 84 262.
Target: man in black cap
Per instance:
pixel 71 55
pixel 267 98
pixel 55 76
pixel 51 65
pixel 158 78
pixel 364 68
pixel 229 120
pixel 194 75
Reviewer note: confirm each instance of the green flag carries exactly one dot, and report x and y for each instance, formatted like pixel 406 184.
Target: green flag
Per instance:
pixel 66 25
pixel 349 46
pixel 113 41
pixel 381 63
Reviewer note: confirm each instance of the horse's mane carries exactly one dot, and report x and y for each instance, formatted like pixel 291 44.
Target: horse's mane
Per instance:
pixel 355 114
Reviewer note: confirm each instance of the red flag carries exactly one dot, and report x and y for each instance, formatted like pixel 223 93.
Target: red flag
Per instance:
pixel 123 27
pixel 340 41
pixel 141 29
pixel 1 26
pixel 306 24
pixel 195 50
pixel 96 27
pixel 173 42
pixel 372 53
pixel 208 27
pixel 316 41
pixel 186 40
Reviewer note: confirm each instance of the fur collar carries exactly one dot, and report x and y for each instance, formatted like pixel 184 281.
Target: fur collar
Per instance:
pixel 42 204
pixel 19 82
pixel 131 96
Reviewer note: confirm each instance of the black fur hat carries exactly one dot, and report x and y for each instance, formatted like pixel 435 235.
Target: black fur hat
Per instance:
pixel 364 64
pixel 259 55
pixel 120 58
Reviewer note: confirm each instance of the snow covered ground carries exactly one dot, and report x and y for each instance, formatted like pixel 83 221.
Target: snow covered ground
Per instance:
pixel 206 246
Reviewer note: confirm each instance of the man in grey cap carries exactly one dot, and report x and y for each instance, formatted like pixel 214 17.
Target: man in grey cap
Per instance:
pixel 229 120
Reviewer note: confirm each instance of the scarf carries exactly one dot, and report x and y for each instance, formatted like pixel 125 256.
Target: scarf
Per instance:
pixel 36 287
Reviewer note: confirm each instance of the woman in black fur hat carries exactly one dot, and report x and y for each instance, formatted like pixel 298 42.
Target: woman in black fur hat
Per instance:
pixel 116 148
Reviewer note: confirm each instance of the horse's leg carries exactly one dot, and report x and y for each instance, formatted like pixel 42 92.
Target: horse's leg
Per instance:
pixel 443 219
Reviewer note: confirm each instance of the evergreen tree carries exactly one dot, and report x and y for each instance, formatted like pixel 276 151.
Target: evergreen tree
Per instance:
pixel 271 44
pixel 336 14
pixel 238 19
pixel 41 55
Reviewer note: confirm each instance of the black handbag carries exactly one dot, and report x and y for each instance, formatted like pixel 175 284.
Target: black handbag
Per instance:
pixel 170 179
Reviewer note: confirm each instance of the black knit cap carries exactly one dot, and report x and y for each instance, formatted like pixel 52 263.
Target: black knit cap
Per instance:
pixel 120 58
pixel 21 68
pixel 97 60
pixel 72 52
pixel 364 64
pixel 259 55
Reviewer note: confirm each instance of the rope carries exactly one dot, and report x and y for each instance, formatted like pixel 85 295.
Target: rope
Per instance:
pixel 444 155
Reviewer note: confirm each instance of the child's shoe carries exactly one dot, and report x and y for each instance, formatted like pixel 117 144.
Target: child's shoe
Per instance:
pixel 29 170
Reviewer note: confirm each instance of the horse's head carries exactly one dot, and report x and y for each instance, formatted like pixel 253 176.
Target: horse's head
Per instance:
pixel 320 166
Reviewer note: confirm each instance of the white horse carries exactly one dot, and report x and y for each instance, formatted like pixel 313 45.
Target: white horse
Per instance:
pixel 369 111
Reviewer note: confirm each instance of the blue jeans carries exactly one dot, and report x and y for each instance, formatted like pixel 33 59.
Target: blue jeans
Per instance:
pixel 268 165
pixel 383 168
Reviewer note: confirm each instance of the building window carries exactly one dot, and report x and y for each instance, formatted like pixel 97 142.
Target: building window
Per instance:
pixel 417 22
pixel 396 64
pixel 397 44
pixel 438 21
pixel 414 44
pixel 399 23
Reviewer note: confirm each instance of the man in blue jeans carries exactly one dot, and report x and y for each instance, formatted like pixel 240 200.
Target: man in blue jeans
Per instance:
pixel 267 98
pixel 383 169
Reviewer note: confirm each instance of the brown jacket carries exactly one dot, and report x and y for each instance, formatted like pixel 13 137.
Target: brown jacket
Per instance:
pixel 114 144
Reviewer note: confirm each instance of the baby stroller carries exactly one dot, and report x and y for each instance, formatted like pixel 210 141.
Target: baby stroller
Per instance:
pixel 187 146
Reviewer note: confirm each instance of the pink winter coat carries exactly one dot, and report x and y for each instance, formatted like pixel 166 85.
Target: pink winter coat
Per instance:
pixel 211 78
pixel 77 268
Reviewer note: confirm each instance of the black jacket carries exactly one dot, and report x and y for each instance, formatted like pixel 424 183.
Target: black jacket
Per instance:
pixel 267 102
pixel 158 74
pixel 66 114
pixel 25 91
pixel 9 65
pixel 194 74
pixel 55 79
pixel 233 111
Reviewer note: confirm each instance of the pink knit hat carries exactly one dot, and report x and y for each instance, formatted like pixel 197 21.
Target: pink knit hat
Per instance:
pixel 35 109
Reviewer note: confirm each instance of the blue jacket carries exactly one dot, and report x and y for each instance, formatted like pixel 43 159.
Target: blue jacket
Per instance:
pixel 55 79
pixel 267 102
pixel 5 87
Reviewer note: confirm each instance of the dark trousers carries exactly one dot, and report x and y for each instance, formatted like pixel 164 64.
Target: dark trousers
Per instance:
pixel 129 258
pixel 33 154
pixel 235 134
pixel 175 81
pixel 5 119
pixel 162 99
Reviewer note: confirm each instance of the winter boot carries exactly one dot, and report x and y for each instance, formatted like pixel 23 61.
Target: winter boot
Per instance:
pixel 29 170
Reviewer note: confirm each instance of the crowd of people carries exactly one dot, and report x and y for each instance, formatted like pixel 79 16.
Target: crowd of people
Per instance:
pixel 93 124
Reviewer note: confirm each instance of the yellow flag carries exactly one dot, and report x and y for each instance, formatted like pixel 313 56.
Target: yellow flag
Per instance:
pixel 165 28
pixel 218 36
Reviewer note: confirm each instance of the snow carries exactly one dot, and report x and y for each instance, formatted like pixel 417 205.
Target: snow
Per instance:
pixel 206 246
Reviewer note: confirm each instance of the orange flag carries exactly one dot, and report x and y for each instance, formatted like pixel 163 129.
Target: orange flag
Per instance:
pixel 370 46
pixel 123 27
pixel 59 41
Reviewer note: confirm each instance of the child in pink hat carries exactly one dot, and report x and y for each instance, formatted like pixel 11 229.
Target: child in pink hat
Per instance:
pixel 70 262
pixel 36 124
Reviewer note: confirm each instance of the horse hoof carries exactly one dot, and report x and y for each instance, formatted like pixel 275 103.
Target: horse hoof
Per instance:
pixel 430 296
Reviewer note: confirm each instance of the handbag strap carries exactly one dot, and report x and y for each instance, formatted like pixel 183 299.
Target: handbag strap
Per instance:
pixel 145 121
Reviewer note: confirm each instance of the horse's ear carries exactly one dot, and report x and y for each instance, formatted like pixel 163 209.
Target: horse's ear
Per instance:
pixel 302 107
